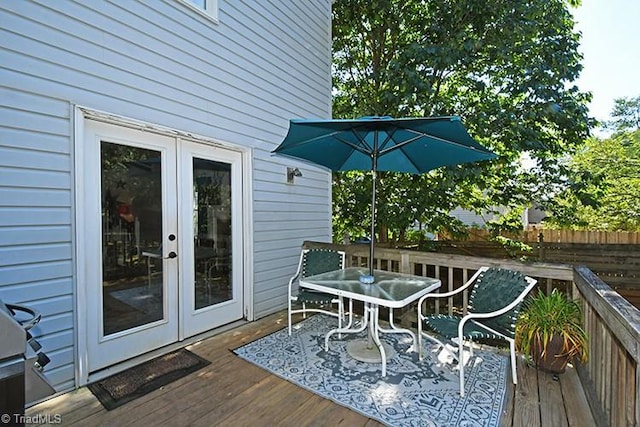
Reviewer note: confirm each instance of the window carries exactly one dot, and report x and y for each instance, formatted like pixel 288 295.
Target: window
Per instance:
pixel 208 7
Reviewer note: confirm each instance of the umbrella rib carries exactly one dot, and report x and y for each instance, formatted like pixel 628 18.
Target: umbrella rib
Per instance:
pixel 400 147
pixel 427 135
pixel 310 140
pixel 363 144
pixel 375 149
pixel 389 137
pixel 336 135
pixel 401 144
pixel 354 146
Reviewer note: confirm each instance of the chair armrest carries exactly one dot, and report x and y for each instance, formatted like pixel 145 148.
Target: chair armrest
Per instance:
pixel 443 294
pixel 451 293
pixel 297 275
pixel 293 279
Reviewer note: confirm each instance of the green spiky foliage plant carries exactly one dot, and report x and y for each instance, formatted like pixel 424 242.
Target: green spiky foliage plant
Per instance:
pixel 551 317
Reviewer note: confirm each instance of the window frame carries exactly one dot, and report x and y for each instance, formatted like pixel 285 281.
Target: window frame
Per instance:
pixel 210 8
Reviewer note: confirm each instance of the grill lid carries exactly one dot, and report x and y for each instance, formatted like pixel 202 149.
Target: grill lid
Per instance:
pixel 12 334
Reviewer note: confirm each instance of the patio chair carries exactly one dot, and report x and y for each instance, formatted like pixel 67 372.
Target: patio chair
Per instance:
pixel 312 262
pixel 492 312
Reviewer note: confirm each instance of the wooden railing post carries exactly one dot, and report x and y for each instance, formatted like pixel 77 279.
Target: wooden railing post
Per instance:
pixel 405 266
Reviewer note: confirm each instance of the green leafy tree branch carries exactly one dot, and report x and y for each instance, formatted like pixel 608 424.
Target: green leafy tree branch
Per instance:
pixel 507 68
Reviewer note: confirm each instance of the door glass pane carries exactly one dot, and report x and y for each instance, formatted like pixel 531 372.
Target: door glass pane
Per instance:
pixel 132 280
pixel 212 232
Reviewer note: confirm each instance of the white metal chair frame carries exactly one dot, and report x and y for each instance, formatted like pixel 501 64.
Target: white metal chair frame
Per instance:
pixel 294 298
pixel 476 318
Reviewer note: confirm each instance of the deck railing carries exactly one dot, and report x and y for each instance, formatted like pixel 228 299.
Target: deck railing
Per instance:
pixel 610 379
pixel 452 270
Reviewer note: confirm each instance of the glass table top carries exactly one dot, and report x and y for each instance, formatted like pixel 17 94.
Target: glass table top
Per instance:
pixel 389 289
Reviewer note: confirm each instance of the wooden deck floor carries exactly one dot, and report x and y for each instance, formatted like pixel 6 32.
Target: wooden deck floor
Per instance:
pixel 233 392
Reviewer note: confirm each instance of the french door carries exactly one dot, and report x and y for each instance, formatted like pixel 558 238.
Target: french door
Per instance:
pixel 163 239
pixel 211 267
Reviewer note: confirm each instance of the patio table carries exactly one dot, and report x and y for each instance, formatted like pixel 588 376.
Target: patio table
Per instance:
pixel 389 289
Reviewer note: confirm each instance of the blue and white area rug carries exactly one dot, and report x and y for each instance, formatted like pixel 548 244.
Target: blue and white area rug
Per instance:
pixel 414 392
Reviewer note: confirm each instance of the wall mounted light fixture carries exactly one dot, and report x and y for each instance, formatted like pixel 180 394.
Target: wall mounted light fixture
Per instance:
pixel 292 173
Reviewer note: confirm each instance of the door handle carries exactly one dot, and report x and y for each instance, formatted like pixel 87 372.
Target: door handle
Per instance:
pixel 172 255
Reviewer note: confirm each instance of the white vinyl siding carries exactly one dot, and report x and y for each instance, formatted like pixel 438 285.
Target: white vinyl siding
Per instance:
pixel 238 81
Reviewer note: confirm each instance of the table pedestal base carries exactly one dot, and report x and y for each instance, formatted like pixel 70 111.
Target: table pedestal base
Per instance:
pixel 368 353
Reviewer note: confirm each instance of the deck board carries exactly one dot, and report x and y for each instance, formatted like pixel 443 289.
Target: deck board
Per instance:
pixel 575 400
pixel 526 398
pixel 551 403
pixel 231 391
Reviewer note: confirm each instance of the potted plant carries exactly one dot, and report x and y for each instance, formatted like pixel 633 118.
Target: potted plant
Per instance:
pixel 549 330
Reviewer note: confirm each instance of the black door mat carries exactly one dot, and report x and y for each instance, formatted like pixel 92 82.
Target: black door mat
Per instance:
pixel 128 385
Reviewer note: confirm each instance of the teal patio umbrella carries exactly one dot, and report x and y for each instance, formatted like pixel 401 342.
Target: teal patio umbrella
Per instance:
pixel 413 145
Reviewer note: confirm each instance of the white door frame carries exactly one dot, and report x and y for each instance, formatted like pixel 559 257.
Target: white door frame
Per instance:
pixel 81 114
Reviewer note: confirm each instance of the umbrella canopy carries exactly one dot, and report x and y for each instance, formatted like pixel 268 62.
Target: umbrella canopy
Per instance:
pixel 413 145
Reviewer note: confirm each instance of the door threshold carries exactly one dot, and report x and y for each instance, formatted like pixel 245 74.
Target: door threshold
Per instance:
pixel 129 363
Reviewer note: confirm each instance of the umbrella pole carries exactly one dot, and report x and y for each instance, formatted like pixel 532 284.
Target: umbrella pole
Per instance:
pixel 373 214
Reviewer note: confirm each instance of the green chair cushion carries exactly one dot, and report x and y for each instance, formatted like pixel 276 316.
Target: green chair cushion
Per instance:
pixel 493 290
pixel 318 261
pixel 447 326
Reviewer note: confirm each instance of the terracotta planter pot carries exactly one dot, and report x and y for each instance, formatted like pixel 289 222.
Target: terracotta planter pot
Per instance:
pixel 553 361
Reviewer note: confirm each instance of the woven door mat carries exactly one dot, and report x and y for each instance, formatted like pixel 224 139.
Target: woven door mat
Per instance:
pixel 128 385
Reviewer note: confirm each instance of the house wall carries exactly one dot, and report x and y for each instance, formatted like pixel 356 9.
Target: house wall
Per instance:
pixel 473 219
pixel 238 80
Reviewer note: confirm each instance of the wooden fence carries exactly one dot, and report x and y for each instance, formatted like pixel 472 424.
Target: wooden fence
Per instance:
pixel 610 378
pixel 587 237
pixel 534 234
pixel 616 264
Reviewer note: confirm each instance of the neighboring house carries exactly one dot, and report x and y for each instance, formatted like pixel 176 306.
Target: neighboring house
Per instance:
pixel 140 204
pixel 534 216
pixel 473 219
pixel 530 216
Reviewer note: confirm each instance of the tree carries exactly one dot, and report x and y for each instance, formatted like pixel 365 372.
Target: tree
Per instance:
pixel 626 114
pixel 505 67
pixel 604 190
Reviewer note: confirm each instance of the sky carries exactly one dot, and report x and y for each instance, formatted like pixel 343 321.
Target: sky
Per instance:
pixel 611 47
